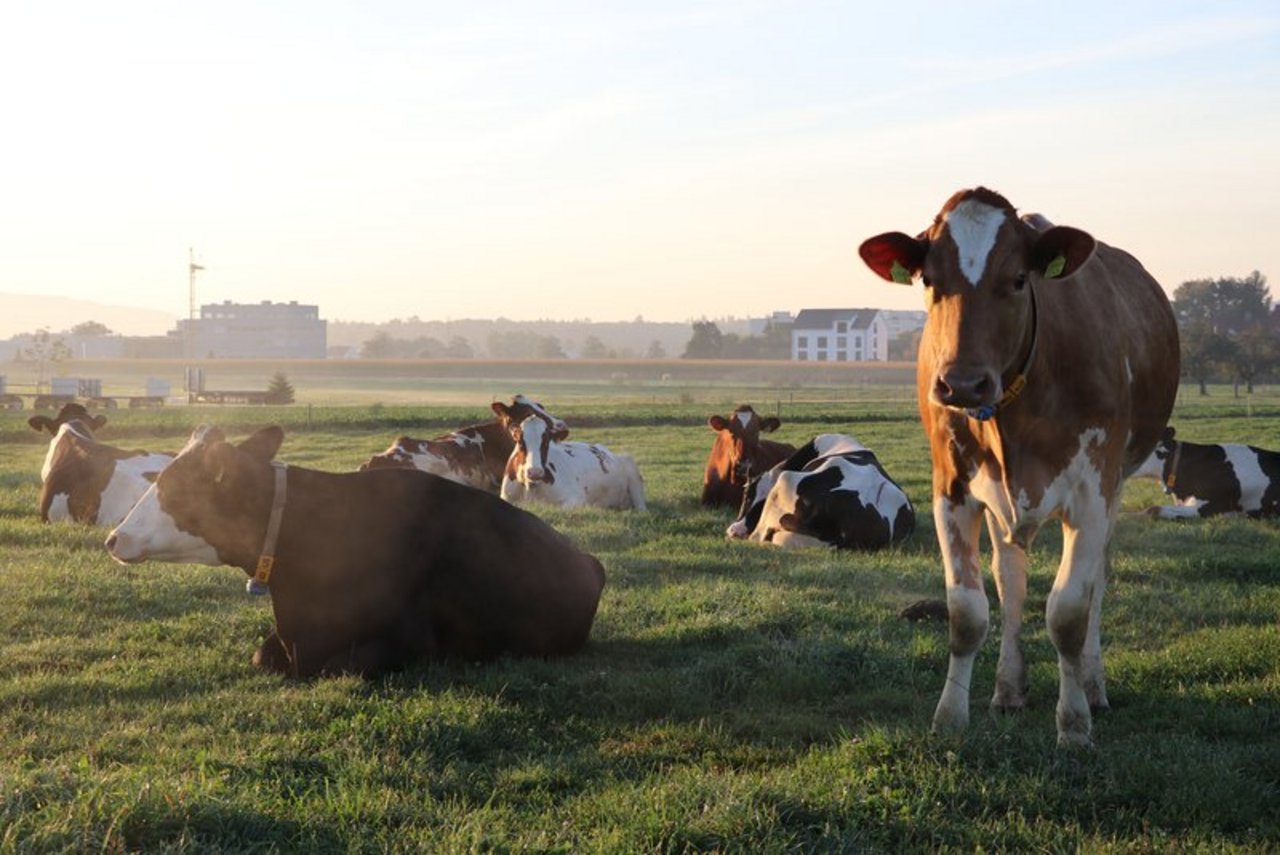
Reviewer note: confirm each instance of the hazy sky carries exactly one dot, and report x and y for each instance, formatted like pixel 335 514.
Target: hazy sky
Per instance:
pixel 605 160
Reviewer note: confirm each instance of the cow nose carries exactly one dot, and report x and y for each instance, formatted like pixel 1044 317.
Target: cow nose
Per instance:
pixel 536 473
pixel 965 387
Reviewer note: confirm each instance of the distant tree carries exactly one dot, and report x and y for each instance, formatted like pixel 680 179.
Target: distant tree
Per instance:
pixel 707 341
pixel 45 349
pixel 548 347
pixel 1255 354
pixel 381 346
pixel 1204 351
pixel 279 390
pixel 1225 327
pixel 593 348
pixel 458 348
pixel 656 350
pixel 513 344
pixel 90 328
pixel 904 346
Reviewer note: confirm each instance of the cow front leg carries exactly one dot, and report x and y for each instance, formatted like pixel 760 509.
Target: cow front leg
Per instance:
pixel 1073 616
pixel 1009 567
pixel 272 655
pixel 958 534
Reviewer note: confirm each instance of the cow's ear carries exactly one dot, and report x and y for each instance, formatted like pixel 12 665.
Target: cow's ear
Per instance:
pixel 717 423
pixel 770 424
pixel 501 411
pixel 788 522
pixel 98 422
pixel 894 257
pixel 263 444
pixel 41 423
pixel 1061 251
pixel 559 434
pixel 220 461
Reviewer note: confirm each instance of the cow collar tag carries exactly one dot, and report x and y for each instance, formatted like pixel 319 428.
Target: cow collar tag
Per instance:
pixel 1019 382
pixel 1172 480
pixel 267 559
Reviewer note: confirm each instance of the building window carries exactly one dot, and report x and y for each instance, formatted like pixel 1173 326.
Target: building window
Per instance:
pixel 857 354
pixel 842 356
pixel 802 341
pixel 802 356
pixel 842 341
pixel 822 356
pixel 822 341
pixel 842 326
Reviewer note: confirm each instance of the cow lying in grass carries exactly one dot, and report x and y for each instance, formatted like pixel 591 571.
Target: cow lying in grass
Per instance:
pixel 831 492
pixel 1207 480
pixel 369 571
pixel 546 470
pixel 475 455
pixel 87 481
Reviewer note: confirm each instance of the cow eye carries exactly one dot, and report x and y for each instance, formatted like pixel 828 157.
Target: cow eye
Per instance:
pixel 1020 281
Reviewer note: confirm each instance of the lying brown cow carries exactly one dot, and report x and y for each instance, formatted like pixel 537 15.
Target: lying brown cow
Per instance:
pixel 476 455
pixel 369 571
pixel 739 454
pixel 1047 370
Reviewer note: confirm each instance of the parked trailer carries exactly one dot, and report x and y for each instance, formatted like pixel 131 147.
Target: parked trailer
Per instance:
pixel 88 391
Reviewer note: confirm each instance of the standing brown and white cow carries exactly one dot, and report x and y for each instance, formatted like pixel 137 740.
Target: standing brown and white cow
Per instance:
pixel 739 454
pixel 1039 397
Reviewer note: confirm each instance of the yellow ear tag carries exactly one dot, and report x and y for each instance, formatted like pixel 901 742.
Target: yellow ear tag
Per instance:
pixel 1054 270
pixel 900 274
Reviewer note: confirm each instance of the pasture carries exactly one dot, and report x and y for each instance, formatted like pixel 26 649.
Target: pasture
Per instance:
pixel 733 697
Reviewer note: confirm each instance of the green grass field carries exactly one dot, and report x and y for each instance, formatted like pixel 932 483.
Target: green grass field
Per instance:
pixel 733 698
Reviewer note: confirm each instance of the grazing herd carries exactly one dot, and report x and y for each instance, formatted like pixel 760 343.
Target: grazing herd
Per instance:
pixel 1046 375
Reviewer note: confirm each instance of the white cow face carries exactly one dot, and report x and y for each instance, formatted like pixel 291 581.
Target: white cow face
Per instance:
pixel 149 533
pixel 533 438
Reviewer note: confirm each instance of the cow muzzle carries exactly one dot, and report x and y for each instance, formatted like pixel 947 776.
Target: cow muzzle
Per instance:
pixel 965 387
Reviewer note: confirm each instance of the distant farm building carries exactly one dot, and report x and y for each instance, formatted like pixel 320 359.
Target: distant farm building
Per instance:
pixel 256 330
pixel 840 335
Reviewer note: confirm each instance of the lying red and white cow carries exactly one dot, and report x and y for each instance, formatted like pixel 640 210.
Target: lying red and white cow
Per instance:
pixel 1047 370
pixel 545 470
pixel 831 492
pixel 369 571
pixel 87 481
pixel 1207 480
pixel 475 455
pixel 739 454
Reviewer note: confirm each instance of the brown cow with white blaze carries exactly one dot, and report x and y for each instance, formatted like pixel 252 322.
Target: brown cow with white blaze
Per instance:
pixel 739 454
pixel 1039 397
pixel 369 571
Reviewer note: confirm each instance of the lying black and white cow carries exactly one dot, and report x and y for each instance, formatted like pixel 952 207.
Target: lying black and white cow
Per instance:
pixel 1207 480
pixel 831 492
pixel 369 571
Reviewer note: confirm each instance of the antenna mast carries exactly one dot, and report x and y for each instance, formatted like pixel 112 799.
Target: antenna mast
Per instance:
pixel 192 268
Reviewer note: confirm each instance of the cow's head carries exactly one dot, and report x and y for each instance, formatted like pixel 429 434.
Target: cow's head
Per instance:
pixel 72 412
pixel 739 434
pixel 1155 464
pixel 209 506
pixel 528 463
pixel 397 456
pixel 980 265
pixel 521 408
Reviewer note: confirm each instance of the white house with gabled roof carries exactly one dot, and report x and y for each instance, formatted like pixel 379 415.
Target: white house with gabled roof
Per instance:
pixel 840 335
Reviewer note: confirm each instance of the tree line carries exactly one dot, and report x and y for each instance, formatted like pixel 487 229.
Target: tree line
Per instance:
pixel 1230 331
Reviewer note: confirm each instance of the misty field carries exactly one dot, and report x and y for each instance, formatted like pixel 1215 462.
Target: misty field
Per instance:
pixel 732 698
